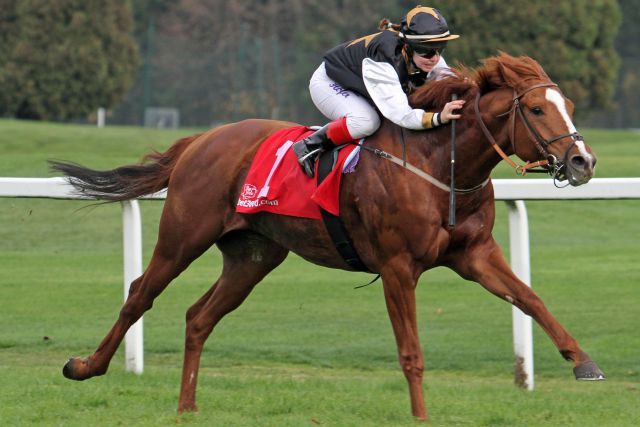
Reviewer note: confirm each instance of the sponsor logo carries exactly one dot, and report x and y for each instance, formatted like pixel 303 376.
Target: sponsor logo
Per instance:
pixel 339 90
pixel 249 191
pixel 256 203
pixel 248 195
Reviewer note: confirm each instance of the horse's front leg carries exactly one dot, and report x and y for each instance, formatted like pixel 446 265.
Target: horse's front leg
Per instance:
pixel 485 264
pixel 399 292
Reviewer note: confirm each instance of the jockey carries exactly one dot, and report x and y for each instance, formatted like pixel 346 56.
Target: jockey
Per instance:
pixel 375 73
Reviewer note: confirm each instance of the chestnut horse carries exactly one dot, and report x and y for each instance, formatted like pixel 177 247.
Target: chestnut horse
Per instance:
pixel 397 221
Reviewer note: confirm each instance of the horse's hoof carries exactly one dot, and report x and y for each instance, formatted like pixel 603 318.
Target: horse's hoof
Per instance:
pixel 588 371
pixel 75 369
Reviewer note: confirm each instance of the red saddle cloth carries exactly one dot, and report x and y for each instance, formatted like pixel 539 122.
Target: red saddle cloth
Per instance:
pixel 276 183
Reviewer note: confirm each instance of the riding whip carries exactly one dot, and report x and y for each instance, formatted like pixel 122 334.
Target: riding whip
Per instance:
pixel 452 191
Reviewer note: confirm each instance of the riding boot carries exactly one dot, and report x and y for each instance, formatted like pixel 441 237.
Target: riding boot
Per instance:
pixel 309 149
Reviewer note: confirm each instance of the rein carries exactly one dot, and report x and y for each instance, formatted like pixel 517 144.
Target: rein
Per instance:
pixel 551 165
pixel 422 174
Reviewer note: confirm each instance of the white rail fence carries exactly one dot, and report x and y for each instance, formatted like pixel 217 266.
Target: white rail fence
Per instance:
pixel 512 191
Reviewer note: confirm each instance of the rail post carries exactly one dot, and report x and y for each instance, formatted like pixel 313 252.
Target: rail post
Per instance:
pixel 522 325
pixel 132 245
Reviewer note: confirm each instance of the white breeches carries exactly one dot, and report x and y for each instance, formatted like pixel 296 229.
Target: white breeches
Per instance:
pixel 335 102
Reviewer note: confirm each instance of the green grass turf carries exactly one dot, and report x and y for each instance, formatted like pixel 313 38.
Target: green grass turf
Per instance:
pixel 305 348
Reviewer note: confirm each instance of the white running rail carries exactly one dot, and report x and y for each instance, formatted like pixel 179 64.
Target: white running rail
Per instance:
pixel 512 191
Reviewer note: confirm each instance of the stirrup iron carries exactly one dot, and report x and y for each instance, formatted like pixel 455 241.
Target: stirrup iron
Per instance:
pixel 309 154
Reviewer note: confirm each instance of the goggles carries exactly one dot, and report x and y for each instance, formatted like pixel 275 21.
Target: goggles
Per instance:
pixel 428 53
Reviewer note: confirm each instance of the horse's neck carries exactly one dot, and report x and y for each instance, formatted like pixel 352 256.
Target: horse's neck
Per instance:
pixel 418 147
pixel 475 155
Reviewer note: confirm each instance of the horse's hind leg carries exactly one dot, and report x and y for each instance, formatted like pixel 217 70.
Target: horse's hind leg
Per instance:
pixel 247 258
pixel 178 245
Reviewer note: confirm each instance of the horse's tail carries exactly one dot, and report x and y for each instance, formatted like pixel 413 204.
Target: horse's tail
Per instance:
pixel 126 182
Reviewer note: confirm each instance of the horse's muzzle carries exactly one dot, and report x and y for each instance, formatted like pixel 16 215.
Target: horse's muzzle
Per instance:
pixel 580 168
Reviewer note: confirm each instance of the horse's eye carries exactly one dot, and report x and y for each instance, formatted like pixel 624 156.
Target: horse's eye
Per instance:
pixel 537 111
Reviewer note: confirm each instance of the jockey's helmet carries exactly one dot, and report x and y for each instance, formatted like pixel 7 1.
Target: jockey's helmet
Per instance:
pixel 425 28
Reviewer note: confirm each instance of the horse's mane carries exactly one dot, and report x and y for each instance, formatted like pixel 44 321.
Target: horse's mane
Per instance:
pixel 435 93
pixel 496 72
pixel 505 70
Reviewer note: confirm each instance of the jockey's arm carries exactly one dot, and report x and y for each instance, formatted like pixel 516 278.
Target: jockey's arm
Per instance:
pixel 383 85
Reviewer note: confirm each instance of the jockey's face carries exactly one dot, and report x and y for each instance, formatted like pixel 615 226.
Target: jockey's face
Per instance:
pixel 425 64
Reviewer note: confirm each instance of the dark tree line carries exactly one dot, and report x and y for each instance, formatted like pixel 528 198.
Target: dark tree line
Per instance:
pixel 220 61
pixel 62 59
pixel 624 110
pixel 573 40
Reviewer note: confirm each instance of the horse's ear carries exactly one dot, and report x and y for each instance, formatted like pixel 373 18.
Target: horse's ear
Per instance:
pixel 509 76
pixel 536 67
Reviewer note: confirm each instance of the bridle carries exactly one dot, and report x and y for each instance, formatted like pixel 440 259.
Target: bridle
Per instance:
pixel 551 164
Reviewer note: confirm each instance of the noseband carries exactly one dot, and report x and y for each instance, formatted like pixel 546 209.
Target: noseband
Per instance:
pixel 552 165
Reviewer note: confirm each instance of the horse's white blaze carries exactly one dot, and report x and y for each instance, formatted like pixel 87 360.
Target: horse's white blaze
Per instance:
pixel 556 99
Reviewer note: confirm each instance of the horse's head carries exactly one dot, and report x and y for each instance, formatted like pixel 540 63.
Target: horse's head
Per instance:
pixel 541 129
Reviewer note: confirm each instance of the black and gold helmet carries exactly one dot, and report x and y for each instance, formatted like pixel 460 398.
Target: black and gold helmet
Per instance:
pixel 425 28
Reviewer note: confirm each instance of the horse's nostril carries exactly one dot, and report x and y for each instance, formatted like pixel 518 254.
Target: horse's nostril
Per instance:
pixel 578 161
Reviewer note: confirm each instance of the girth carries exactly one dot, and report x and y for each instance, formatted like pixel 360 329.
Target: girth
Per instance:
pixel 334 225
